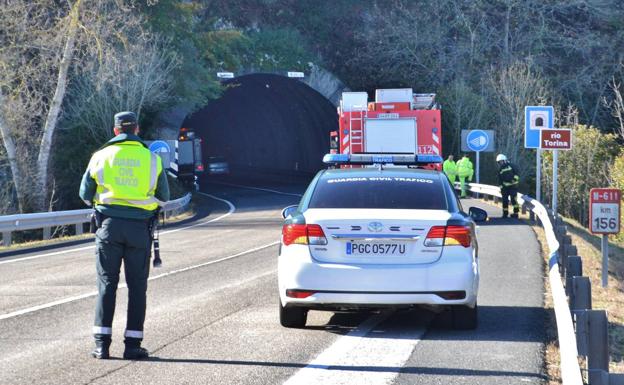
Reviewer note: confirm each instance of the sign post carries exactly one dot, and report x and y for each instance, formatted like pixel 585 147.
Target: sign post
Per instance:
pixel 604 216
pixel 555 139
pixel 478 141
pixel 537 118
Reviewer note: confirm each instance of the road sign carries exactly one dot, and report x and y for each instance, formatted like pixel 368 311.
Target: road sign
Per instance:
pixel 604 218
pixel 536 118
pixel 161 148
pixel 556 139
pixel 477 140
pixel 604 210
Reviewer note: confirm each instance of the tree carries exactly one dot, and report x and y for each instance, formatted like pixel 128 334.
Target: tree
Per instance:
pixel 512 88
pixel 104 48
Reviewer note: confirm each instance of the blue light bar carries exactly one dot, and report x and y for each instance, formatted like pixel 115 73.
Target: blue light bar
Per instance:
pixel 383 159
pixel 336 158
pixel 429 159
pixel 370 159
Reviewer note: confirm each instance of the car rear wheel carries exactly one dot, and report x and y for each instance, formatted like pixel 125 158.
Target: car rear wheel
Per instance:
pixel 464 317
pixel 292 317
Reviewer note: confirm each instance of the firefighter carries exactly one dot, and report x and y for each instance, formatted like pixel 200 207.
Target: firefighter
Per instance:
pixel 126 184
pixel 464 171
pixel 508 180
pixel 450 169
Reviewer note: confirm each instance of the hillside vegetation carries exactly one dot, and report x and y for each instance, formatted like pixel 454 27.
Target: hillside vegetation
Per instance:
pixel 66 67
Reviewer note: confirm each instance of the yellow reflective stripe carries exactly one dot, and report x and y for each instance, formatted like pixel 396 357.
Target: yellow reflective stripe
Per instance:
pixel 142 202
pixel 153 171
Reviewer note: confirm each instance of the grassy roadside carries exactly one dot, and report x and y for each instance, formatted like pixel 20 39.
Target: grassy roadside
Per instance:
pixel 610 298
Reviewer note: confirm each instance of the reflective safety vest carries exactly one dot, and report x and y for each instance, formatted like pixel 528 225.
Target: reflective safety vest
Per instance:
pixel 464 168
pixel 449 167
pixel 126 174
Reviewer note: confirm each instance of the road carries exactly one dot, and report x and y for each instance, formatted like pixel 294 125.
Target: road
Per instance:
pixel 212 313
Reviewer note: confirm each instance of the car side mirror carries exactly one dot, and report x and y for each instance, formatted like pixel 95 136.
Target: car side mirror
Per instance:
pixel 477 214
pixel 286 212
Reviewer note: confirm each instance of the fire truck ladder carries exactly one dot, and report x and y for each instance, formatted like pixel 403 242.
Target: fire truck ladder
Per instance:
pixel 356 131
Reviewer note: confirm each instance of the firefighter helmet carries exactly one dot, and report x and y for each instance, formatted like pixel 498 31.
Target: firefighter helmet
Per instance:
pixel 501 157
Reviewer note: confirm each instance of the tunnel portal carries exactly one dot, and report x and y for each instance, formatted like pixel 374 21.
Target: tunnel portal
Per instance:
pixel 266 126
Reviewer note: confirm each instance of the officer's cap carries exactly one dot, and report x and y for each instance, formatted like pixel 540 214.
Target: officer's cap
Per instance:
pixel 125 120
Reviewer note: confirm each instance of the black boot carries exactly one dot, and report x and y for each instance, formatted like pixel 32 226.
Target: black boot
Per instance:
pixel 135 353
pixel 133 350
pixel 514 215
pixel 101 350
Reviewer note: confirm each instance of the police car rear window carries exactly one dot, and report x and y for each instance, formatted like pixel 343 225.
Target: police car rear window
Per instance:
pixel 422 193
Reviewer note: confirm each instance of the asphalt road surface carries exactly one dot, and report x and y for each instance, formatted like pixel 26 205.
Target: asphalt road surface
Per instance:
pixel 212 314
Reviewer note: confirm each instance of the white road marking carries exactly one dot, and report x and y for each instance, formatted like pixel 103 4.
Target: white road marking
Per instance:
pixel 258 188
pixel 123 285
pixel 231 210
pixel 46 255
pixel 361 358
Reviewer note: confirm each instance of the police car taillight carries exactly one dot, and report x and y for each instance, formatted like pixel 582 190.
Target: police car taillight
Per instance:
pixel 303 235
pixel 448 236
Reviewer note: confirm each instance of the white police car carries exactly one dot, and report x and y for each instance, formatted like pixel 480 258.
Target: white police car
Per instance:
pixel 375 237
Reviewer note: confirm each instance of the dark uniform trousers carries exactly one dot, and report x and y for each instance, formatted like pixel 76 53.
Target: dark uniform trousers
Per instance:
pixel 507 192
pixel 129 240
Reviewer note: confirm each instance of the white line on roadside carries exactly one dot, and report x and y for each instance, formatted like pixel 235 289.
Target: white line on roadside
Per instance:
pixel 123 285
pixel 258 188
pixel 361 357
pixel 46 255
pixel 231 210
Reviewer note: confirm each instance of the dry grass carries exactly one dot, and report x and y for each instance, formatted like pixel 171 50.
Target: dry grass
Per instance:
pixel 610 298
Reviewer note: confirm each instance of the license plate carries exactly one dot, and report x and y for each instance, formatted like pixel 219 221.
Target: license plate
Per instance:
pixel 367 248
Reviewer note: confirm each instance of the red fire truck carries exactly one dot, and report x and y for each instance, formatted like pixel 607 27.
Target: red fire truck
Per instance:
pixel 397 122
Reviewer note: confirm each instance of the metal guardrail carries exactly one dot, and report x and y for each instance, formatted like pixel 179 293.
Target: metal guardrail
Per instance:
pixel 48 220
pixel 590 336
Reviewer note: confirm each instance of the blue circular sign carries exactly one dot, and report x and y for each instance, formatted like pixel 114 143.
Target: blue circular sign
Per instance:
pixel 159 146
pixel 477 140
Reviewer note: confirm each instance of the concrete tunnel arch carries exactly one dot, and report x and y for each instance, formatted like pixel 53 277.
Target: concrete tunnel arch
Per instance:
pixel 266 126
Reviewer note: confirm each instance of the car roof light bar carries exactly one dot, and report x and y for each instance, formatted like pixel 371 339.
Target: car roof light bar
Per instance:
pixel 370 159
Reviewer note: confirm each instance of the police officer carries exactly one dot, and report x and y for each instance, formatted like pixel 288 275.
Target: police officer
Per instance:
pixel 450 169
pixel 126 183
pixel 465 171
pixel 508 180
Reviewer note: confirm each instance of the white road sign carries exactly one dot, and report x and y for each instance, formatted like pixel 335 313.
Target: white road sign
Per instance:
pixel 604 211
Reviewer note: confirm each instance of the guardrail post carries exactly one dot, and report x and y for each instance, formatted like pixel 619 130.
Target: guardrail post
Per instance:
pixel 580 295
pixel 46 233
pixel 78 228
pixel 598 347
pixel 568 250
pixel 598 377
pixel 574 269
pixel 616 379
pixel 6 238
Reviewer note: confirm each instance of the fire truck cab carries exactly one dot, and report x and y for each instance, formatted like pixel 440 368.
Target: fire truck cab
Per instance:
pixel 397 122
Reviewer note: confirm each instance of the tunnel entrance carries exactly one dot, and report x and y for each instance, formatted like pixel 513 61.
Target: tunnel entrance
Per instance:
pixel 266 127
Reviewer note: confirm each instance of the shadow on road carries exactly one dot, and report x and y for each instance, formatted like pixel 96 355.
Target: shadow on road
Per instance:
pixel 496 323
pixel 355 368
